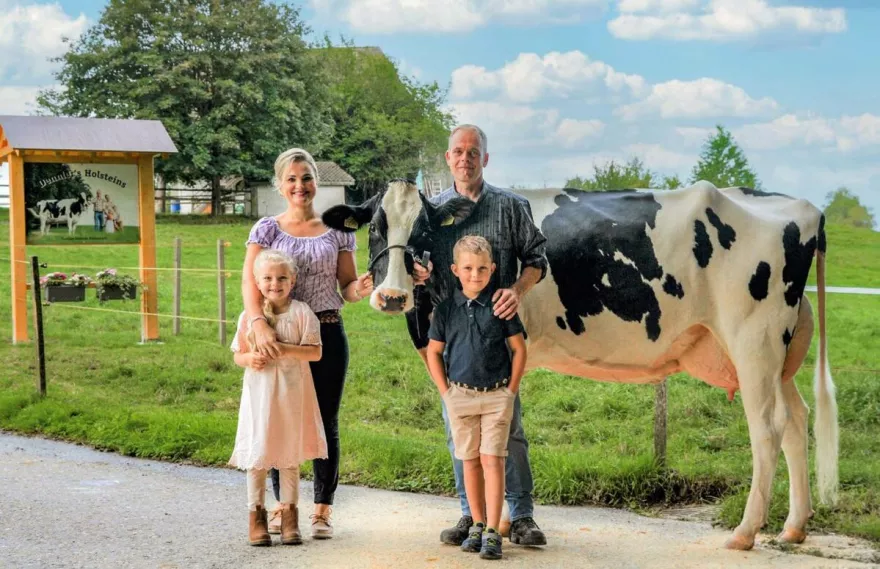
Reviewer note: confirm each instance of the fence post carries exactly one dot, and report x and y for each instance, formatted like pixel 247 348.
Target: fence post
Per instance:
pixel 660 415
pixel 177 247
pixel 221 288
pixel 38 326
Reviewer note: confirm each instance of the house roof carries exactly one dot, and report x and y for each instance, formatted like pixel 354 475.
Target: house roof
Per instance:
pixel 86 134
pixel 331 174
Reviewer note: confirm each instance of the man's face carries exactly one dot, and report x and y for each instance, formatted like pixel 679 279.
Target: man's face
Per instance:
pixel 465 157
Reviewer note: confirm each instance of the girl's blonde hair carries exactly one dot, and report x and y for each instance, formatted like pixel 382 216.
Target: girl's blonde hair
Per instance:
pixel 270 257
pixel 288 157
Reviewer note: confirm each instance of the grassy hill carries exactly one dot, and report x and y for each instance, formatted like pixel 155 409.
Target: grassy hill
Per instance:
pixel 591 442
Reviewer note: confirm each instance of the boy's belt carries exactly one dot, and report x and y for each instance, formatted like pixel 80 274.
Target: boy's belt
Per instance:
pixel 498 385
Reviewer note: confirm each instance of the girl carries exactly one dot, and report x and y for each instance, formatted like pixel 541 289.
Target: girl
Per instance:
pixel 279 422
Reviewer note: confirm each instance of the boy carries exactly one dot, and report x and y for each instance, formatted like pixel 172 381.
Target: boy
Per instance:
pixel 477 361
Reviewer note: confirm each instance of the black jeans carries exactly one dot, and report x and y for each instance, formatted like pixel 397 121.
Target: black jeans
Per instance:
pixel 329 376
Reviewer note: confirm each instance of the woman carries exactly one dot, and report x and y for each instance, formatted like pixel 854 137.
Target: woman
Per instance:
pixel 326 260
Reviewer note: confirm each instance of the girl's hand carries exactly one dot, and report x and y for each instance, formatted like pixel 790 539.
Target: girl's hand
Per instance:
pixel 258 362
pixel 363 286
pixel 265 340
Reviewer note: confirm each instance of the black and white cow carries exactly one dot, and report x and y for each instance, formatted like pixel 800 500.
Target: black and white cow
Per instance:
pixel 68 210
pixel 645 284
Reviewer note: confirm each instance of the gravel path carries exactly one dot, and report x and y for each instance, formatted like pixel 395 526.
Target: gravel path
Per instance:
pixel 63 505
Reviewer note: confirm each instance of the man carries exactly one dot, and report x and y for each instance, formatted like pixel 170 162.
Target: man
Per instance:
pixel 98 209
pixel 505 220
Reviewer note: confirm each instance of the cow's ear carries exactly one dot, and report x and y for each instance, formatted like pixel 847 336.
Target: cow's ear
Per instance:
pixel 452 212
pixel 350 218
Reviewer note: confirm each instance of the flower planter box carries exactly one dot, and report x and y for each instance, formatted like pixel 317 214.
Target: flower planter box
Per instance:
pixel 64 293
pixel 113 292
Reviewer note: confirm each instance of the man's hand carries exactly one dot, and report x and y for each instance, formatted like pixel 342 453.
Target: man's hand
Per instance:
pixel 258 362
pixel 422 274
pixel 265 340
pixel 505 303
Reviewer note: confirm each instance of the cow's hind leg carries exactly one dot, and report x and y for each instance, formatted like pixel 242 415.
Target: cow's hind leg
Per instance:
pixel 760 378
pixel 794 445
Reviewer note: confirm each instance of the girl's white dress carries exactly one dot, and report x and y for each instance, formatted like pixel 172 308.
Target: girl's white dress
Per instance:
pixel 279 422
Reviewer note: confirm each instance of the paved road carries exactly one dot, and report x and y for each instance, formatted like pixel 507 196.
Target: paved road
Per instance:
pixel 68 506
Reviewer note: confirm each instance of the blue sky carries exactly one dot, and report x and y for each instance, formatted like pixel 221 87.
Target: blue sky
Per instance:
pixel 560 85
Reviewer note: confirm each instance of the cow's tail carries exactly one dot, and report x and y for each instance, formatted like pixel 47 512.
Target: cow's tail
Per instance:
pixel 825 427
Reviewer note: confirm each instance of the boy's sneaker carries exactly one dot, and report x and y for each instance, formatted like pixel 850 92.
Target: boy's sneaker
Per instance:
pixel 525 531
pixel 491 546
pixel 474 541
pixel 456 535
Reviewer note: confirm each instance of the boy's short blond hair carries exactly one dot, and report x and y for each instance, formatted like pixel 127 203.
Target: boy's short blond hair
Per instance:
pixel 473 244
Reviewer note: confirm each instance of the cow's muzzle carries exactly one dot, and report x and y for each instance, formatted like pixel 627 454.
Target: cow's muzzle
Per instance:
pixel 391 301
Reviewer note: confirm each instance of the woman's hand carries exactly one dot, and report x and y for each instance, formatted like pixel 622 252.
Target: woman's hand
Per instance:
pixel 265 340
pixel 363 286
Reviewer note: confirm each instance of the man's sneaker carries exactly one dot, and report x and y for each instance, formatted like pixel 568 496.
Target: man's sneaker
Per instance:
pixel 474 541
pixel 525 531
pixel 491 546
pixel 456 535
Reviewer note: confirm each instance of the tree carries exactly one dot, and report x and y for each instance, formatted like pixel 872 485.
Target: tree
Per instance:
pixel 723 163
pixel 614 176
pixel 231 80
pixel 387 125
pixel 844 207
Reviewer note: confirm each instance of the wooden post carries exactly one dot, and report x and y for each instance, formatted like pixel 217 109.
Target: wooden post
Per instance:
pixel 660 414
pixel 221 288
pixel 147 250
pixel 177 247
pixel 38 327
pixel 17 248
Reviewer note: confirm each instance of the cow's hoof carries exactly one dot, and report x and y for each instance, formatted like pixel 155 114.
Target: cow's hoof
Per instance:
pixel 740 543
pixel 792 535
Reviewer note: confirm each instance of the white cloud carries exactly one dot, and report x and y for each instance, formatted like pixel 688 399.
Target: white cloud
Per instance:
pixel 30 34
pixel 531 77
pixel 18 100
pixel 407 16
pixel 572 132
pixel 702 98
pixel 659 157
pixel 656 5
pixel 845 134
pixel 720 20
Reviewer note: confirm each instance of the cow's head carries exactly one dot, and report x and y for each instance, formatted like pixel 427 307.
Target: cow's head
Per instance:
pixel 403 226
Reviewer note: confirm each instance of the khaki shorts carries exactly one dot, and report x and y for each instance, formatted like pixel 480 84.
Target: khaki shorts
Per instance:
pixel 479 420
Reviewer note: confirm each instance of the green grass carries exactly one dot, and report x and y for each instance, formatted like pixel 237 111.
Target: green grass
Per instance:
pixel 591 442
pixel 84 233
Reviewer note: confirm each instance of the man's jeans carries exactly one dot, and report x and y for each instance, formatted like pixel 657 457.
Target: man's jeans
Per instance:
pixel 99 221
pixel 518 471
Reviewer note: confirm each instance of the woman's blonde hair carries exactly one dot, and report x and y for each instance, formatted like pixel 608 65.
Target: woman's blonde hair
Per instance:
pixel 271 257
pixel 288 157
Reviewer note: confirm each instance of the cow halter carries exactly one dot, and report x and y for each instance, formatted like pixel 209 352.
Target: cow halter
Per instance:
pixel 406 249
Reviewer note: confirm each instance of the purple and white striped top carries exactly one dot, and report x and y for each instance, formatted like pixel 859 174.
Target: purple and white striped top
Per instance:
pixel 316 258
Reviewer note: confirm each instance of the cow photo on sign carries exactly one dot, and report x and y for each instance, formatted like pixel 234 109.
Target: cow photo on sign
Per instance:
pixel 81 203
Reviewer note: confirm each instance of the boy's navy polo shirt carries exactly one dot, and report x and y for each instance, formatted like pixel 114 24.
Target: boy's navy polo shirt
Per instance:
pixel 476 351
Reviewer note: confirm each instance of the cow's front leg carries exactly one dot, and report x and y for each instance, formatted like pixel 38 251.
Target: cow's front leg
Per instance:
pixel 767 415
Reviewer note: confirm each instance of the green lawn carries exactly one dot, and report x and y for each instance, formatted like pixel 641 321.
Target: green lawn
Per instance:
pixel 85 233
pixel 591 442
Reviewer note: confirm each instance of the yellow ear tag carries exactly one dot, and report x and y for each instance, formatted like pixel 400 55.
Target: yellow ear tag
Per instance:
pixel 351 223
pixel 448 221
